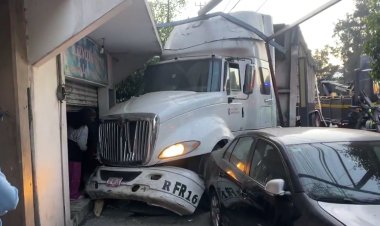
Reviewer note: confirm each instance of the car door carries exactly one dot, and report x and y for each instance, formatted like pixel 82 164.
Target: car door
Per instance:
pixel 267 164
pixel 231 179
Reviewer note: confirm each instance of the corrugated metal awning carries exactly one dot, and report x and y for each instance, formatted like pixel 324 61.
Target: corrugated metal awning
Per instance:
pixel 81 94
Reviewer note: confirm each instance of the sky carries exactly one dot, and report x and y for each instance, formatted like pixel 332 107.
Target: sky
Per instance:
pixel 317 31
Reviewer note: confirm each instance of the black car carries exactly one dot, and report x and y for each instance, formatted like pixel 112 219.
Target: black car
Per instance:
pixel 296 176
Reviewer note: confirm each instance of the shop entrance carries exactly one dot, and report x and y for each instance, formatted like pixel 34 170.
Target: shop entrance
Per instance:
pixel 82 137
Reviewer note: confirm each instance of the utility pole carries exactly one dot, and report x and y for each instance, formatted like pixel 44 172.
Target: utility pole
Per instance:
pixel 168 13
pixel 208 7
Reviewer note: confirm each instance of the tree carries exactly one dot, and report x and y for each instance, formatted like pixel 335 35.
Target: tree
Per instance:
pixel 165 11
pixel 352 35
pixel 372 46
pixel 325 69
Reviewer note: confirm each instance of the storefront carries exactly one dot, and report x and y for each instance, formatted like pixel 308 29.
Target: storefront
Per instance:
pixel 40 84
pixel 85 70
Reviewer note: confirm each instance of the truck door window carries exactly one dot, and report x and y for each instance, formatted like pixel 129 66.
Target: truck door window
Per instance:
pixel 265 81
pixel 234 77
pixel 240 154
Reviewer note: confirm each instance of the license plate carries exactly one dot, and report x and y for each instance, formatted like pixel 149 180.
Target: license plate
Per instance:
pixel 114 181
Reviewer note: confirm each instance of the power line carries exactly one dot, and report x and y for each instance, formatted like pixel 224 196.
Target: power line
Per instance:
pixel 228 3
pixel 234 6
pixel 265 2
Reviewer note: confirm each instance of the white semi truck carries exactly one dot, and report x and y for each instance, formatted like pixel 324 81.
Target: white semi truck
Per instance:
pixel 213 82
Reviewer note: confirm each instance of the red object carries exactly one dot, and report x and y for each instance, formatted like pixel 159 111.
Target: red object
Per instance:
pixel 75 171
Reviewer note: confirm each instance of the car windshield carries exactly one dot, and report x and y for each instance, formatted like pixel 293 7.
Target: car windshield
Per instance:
pixel 190 75
pixel 344 172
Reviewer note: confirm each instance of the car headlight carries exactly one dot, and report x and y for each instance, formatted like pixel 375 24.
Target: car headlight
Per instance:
pixel 179 149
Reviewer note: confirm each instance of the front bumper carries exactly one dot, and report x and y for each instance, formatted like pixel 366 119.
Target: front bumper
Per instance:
pixel 176 189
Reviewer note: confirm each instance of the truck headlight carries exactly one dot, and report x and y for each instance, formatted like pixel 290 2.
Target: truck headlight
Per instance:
pixel 179 149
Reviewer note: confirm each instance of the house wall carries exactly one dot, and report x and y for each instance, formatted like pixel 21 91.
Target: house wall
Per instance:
pixel 15 150
pixel 50 147
pixel 33 141
pixel 104 93
pixel 120 66
pixel 123 64
pixel 54 25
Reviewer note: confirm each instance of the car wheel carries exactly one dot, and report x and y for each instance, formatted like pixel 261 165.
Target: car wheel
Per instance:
pixel 215 210
pixel 317 120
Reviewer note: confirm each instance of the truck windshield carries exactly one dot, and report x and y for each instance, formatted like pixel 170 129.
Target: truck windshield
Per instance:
pixel 191 75
pixel 342 172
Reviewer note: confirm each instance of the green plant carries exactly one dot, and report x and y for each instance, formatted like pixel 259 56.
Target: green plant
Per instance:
pixel 372 46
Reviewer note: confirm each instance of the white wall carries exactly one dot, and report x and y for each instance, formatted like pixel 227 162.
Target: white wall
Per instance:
pixel 52 23
pixel 103 92
pixel 51 179
pixel 125 64
pixel 119 67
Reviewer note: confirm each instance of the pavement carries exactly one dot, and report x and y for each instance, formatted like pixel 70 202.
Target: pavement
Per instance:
pixel 80 209
pixel 122 213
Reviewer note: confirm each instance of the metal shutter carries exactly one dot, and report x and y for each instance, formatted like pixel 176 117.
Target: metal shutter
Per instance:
pixel 80 94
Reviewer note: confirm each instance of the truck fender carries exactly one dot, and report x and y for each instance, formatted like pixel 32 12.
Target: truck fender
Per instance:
pixel 204 160
pixel 209 130
pixel 316 119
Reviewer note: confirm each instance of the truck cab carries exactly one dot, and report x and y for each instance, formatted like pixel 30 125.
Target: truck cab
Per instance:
pixel 191 103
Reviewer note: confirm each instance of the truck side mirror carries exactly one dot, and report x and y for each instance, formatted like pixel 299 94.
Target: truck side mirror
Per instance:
pixel 249 79
pixel 228 87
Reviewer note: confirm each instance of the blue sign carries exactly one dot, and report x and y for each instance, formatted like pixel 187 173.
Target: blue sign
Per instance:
pixel 83 60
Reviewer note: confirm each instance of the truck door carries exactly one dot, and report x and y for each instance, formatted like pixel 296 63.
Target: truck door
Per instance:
pixel 235 114
pixel 260 108
pixel 265 101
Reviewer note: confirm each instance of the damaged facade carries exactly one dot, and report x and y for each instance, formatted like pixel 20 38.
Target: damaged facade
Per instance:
pixel 37 92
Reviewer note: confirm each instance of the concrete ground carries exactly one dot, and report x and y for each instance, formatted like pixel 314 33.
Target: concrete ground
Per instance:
pixel 122 213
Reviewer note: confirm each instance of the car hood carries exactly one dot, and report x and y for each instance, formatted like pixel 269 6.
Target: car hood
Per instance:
pixel 353 215
pixel 167 104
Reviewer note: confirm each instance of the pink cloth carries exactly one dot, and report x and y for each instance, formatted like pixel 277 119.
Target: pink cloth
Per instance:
pixel 75 170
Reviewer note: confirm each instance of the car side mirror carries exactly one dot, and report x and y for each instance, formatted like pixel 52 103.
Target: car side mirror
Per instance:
pixel 275 187
pixel 249 79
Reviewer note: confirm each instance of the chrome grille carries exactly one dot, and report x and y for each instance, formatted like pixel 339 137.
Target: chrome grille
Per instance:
pixel 128 140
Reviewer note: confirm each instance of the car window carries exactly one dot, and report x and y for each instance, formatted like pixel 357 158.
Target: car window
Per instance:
pixel 228 152
pixel 339 172
pixel 240 154
pixel 266 163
